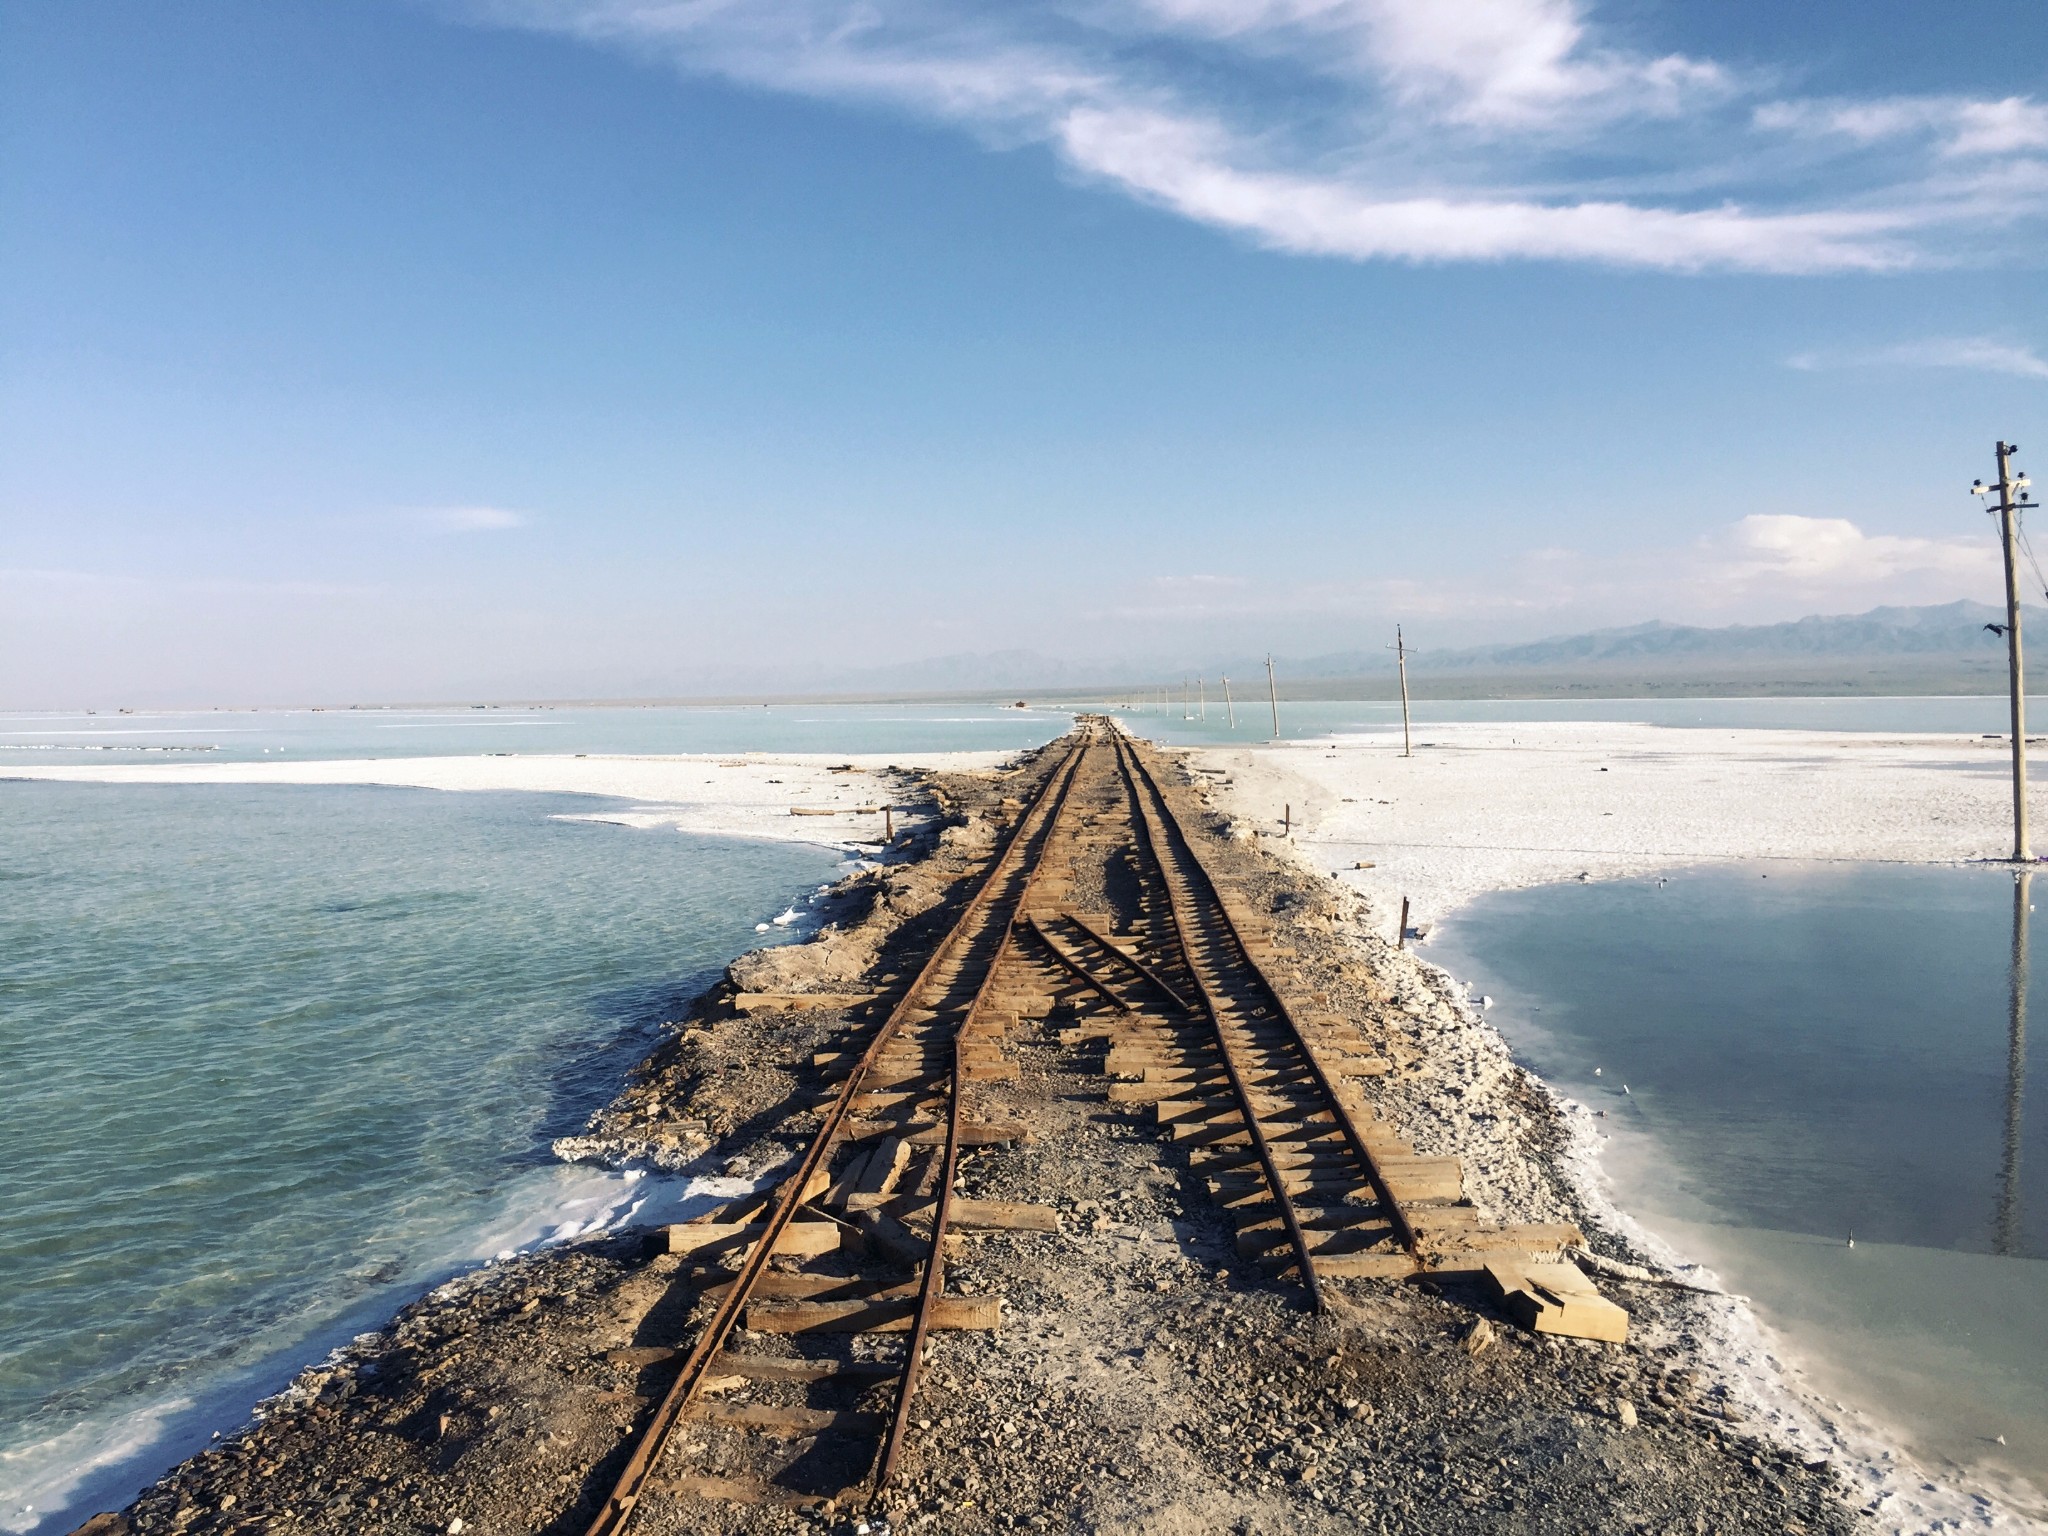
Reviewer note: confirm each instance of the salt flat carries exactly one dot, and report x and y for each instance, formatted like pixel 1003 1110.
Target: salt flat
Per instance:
pixel 751 795
pixel 1488 806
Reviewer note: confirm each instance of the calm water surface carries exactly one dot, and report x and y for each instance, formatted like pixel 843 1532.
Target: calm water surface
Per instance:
pixel 226 735
pixel 1790 1056
pixel 241 735
pixel 273 1059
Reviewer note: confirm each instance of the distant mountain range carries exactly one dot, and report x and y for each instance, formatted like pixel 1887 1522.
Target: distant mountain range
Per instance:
pixel 1951 630
pixel 1935 649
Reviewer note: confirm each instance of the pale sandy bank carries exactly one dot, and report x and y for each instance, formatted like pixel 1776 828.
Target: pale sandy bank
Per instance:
pixel 754 795
pixel 1487 807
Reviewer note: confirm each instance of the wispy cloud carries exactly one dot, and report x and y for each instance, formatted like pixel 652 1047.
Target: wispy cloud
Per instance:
pixel 1956 126
pixel 1833 553
pixel 1981 354
pixel 472 519
pixel 1412 130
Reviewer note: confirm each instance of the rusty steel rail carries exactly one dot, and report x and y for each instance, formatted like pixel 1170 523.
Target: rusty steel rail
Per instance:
pixel 1075 969
pixel 631 1484
pixel 1163 833
pixel 1131 962
pixel 935 1267
pixel 1155 837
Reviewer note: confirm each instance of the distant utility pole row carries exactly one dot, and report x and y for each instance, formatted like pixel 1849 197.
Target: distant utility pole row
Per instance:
pixel 1194 699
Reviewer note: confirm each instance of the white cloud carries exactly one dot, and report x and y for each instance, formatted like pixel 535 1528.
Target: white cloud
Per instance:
pixel 1954 125
pixel 1782 549
pixel 1759 569
pixel 472 519
pixel 1981 354
pixel 1413 130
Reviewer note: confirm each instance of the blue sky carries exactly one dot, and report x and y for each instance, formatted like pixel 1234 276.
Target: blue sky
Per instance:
pixel 586 348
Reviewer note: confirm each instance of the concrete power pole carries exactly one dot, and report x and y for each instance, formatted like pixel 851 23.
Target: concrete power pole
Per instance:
pixel 1401 661
pixel 2012 497
pixel 1273 695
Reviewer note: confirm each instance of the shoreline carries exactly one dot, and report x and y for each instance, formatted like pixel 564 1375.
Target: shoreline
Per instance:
pixel 756 795
pixel 1565 847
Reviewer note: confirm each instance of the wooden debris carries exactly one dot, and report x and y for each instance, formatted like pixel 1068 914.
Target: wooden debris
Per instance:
pixel 1557 1298
pixel 703 1239
pixel 949 1314
pixel 798 1002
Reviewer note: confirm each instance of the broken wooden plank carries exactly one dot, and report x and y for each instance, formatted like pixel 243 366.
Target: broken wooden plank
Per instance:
pixel 776 1284
pixel 1362 1266
pixel 777 1368
pixel 807 1238
pixel 884 1167
pixel 798 1002
pixel 948 1314
pixel 969 1215
pixel 1557 1298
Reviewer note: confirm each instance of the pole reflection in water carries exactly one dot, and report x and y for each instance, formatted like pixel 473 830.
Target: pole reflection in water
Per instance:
pixel 2005 1236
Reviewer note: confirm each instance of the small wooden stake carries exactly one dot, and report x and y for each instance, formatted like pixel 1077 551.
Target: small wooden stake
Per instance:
pixel 1401 933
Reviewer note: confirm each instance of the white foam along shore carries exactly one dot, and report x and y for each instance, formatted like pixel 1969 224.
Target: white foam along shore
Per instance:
pixel 747 795
pixel 1487 807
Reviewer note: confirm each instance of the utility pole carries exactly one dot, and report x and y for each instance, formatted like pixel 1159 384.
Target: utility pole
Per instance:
pixel 1229 708
pixel 1202 695
pixel 1273 695
pixel 1401 661
pixel 2012 497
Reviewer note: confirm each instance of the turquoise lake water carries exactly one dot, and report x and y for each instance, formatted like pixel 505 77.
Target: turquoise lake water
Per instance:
pixel 272 1060
pixel 1788 1057
pixel 225 735
pixel 240 735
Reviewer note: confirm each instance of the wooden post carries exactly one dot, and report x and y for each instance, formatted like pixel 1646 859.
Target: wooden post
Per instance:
pixel 1287 821
pixel 1401 933
pixel 2008 521
pixel 1273 694
pixel 1401 661
pixel 1228 707
pixel 888 824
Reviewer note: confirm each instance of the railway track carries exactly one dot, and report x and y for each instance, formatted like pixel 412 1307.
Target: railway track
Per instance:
pixel 823 1292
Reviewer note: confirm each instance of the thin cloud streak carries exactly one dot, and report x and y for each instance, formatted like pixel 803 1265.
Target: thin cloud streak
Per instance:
pixel 1403 130
pixel 1979 354
pixel 472 519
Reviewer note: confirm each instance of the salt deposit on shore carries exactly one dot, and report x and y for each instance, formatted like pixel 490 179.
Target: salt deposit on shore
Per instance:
pixel 1487 807
pixel 747 796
